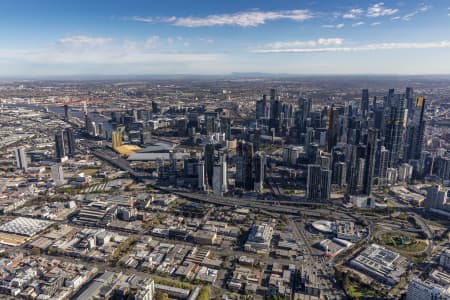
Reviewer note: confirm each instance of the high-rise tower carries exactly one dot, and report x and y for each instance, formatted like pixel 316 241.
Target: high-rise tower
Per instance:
pixel 21 158
pixel 395 122
pixel 318 187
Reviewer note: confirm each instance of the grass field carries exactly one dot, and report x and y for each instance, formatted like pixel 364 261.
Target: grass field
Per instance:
pixel 357 291
pixel 90 171
pixel 403 242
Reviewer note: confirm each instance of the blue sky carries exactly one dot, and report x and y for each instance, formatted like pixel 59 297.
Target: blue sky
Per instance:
pixel 219 37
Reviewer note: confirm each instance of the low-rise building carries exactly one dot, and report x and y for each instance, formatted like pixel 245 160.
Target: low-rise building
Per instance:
pixel 259 238
pixel 381 264
pixel 426 290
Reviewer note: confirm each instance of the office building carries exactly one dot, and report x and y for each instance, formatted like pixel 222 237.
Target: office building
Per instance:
pixel 65 144
pixel 437 200
pixel 60 149
pixel 220 176
pixel 339 174
pixel 57 174
pixel 405 172
pixel 21 158
pixel 415 130
pixel 259 238
pixel 155 109
pixel 395 121
pixel 409 95
pixel 365 102
pixel 116 139
pixel 355 172
pixel 70 142
pixel 302 115
pixel 381 165
pixel 201 176
pixel 369 166
pixel 333 128
pixel 260 170
pixel 444 259
pixel 426 290
pixel 212 122
pixel 244 165
pixel 209 155
pixel 318 187
pixel 381 264
pixel 66 113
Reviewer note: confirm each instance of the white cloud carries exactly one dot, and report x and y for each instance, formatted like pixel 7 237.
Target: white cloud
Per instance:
pixel 369 47
pixel 379 10
pixel 311 43
pixel 106 51
pixel 83 40
pixel 337 26
pixel 243 19
pixel 353 13
pixel 357 24
pixel 375 24
pixel 421 9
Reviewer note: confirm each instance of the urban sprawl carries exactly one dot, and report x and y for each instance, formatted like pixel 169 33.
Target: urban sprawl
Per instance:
pixel 225 188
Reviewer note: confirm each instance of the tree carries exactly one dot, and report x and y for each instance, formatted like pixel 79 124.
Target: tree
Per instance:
pixel 205 293
pixel 36 251
pixel 161 296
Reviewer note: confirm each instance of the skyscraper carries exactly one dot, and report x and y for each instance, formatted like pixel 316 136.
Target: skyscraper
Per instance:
pixel 318 188
pixel 260 170
pixel 371 148
pixel 57 174
pixel 333 128
pixel 209 163
pixel 155 109
pixel 66 113
pixel 409 95
pixel 395 121
pixel 211 122
pixel 262 109
pixel 21 158
pixel 302 114
pixel 116 139
pixel 276 110
pixel 201 176
pixel 355 172
pixel 381 165
pixel 220 178
pixel 415 130
pixel 339 173
pixel 60 149
pixel 365 102
pixel 70 139
pixel 244 165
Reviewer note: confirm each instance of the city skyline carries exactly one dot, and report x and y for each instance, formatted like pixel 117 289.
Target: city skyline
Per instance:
pixel 48 38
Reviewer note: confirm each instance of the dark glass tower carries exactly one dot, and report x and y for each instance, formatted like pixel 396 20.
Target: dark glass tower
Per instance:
pixel 244 165
pixel 415 131
pixel 70 139
pixel 365 102
pixel 394 128
pixel 318 187
pixel 59 145
pixel 209 163
pixel 370 161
